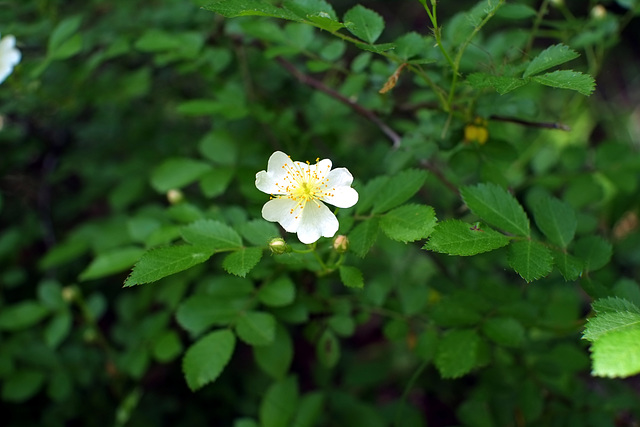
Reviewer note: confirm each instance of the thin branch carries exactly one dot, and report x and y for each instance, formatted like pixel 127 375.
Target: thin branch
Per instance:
pixel 545 125
pixel 438 174
pixel 316 84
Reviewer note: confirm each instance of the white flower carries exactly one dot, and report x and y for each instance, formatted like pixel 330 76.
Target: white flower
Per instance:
pixel 9 56
pixel 298 190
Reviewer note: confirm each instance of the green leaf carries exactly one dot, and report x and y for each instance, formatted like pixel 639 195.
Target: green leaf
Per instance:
pixel 316 12
pixel 456 237
pixel 58 328
pixel 278 292
pixel 567 79
pixel 457 353
pixel 205 360
pixel 68 48
pixel 351 276
pixel 258 232
pixel 219 147
pixel 256 328
pixel 398 189
pixel 213 235
pixel 550 57
pixel 197 313
pixel 156 40
pixel 498 207
pixel 594 251
pixel 176 173
pixel 530 259
pixel 409 223
pixel 614 304
pixel 63 31
pixel 328 349
pixel 162 262
pixel 556 219
pixel 502 84
pixel 275 358
pixel 216 181
pixel 234 8
pixel 516 11
pixel 364 23
pixel 21 315
pixel 611 322
pixel 22 385
pixel 242 261
pixel 110 262
pixel 309 410
pixel 363 236
pixel 617 354
pixel 569 266
pixel 167 346
pixel 279 403
pixel 504 331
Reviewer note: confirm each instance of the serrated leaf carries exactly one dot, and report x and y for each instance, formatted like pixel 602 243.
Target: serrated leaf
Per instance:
pixel 614 304
pixel 363 236
pixel 409 223
pixel 279 403
pixel 234 8
pixel 594 251
pixel 569 266
pixel 211 234
pixel 311 8
pixel 457 353
pixel 111 262
pixel 242 261
pixel 502 84
pixel 617 354
pixel 530 259
pixel 364 23
pixel 556 219
pixel 158 263
pixel 398 189
pixel 278 292
pixel 504 331
pixel 205 360
pixel 498 207
pixel 256 328
pixel 567 79
pixel 550 57
pixel 351 276
pixel 275 358
pixel 456 237
pixel 176 173
pixel 610 322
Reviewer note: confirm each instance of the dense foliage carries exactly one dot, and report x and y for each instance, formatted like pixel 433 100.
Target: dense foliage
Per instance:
pixel 487 275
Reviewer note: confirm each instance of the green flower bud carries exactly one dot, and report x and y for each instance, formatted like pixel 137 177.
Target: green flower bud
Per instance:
pixel 341 244
pixel 278 246
pixel 175 196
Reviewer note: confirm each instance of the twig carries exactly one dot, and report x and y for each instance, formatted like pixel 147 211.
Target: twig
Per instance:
pixel 316 84
pixel 546 125
pixel 434 170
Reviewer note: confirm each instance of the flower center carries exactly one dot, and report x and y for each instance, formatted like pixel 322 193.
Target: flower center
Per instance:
pixel 303 185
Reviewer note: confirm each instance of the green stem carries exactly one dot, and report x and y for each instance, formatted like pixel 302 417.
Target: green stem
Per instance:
pixel 536 24
pixel 407 389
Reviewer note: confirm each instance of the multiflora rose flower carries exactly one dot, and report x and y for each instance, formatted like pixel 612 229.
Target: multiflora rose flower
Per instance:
pixel 298 191
pixel 9 56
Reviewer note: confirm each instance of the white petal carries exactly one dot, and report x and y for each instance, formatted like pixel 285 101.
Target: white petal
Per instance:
pixel 279 210
pixel 342 197
pixel 266 181
pixel 339 190
pixel 317 220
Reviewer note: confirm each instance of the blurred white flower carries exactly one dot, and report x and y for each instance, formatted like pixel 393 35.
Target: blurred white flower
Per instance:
pixel 9 56
pixel 298 191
